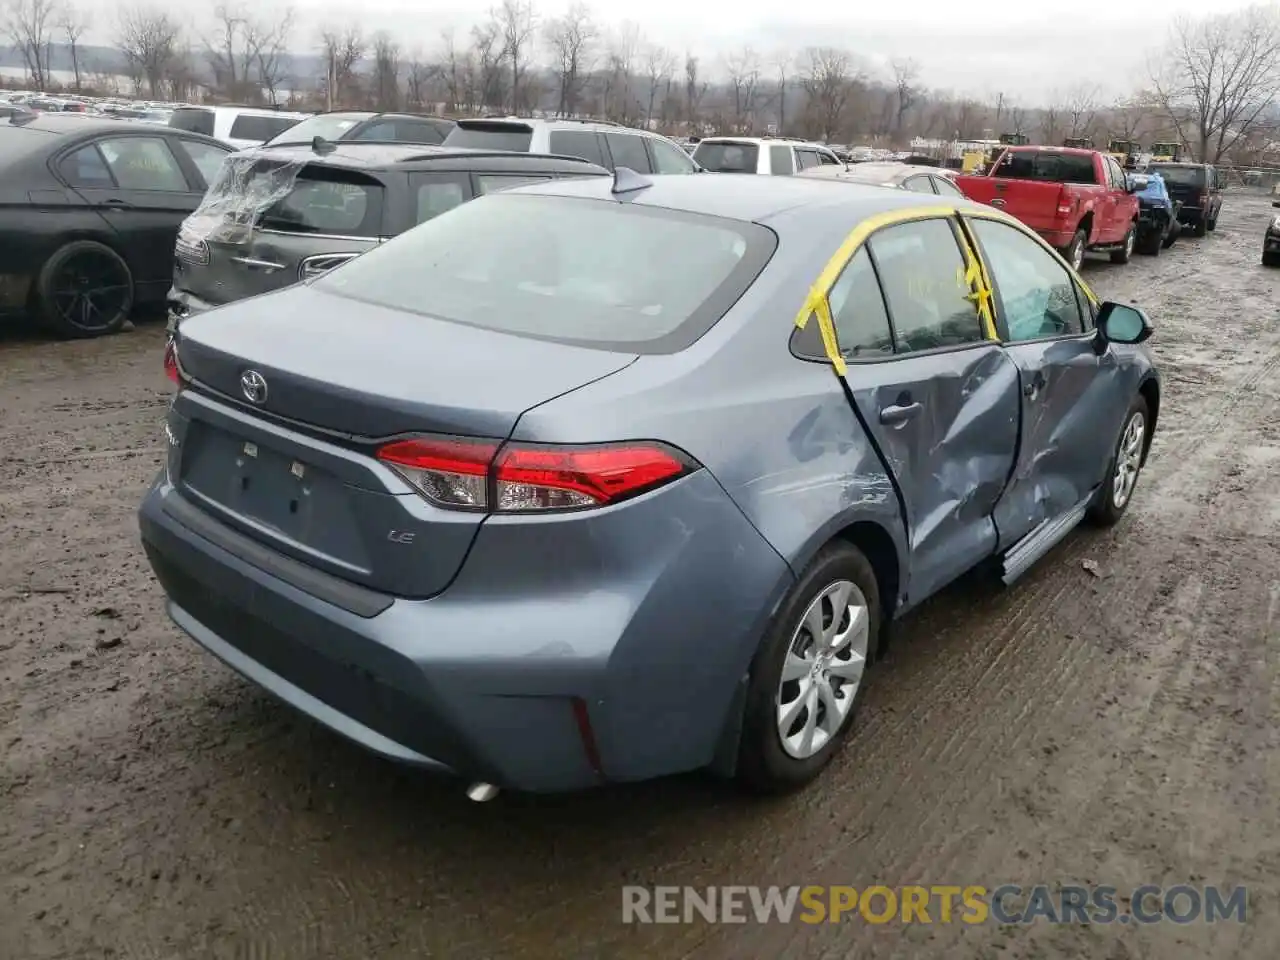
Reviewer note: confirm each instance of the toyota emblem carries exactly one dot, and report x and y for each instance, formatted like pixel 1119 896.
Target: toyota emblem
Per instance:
pixel 254 386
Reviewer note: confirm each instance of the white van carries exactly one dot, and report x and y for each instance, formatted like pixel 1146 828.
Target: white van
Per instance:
pixel 238 127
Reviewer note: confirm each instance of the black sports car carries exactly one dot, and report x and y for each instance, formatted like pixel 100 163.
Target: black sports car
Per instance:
pixel 89 212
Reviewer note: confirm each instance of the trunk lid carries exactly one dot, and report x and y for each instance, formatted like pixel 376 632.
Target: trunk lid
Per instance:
pixel 348 373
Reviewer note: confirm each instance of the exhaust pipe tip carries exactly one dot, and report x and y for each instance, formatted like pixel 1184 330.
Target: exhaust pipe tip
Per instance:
pixel 481 792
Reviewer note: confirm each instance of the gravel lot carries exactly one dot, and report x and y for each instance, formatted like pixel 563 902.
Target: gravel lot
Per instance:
pixel 1107 722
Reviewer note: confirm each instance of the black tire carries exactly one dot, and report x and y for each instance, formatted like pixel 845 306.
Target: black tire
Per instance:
pixel 84 290
pixel 1270 258
pixel 1175 231
pixel 763 764
pixel 1103 510
pixel 1149 244
pixel 1199 228
pixel 1073 252
pixel 1211 224
pixel 1125 253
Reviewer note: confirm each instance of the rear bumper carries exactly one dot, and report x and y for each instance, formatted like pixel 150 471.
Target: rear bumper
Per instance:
pixel 1190 214
pixel 1058 239
pixel 491 679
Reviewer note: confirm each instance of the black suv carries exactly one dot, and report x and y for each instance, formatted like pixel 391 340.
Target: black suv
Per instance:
pixel 279 215
pixel 1198 186
pixel 365 125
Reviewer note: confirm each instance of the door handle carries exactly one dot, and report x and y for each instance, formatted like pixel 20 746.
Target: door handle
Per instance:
pixel 900 413
pixel 258 264
pixel 115 204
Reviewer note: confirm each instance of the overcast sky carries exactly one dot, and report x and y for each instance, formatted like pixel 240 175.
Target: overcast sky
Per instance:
pixel 1026 50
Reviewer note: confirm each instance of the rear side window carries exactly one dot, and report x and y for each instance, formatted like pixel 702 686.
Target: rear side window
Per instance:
pixel 381 130
pixel 668 158
pixel 491 136
pixel 247 126
pixel 628 151
pixel 206 157
pixel 601 274
pixel 143 163
pixel 578 143
pixel 806 158
pixel 922 273
pixel 727 157
pixel 438 192
pixel 919 184
pixel 1047 165
pixel 493 182
pixel 420 131
pixel 857 307
pixel 329 203
pixel 192 120
pixel 780 160
pixel 86 168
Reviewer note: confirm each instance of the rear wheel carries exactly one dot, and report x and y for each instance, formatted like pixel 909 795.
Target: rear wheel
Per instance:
pixel 1150 243
pixel 1074 251
pixel 1175 231
pixel 1270 258
pixel 806 678
pixel 1200 228
pixel 1125 253
pixel 85 290
pixel 1212 223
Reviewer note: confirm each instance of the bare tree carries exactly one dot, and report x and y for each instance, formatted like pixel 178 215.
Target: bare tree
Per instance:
pixel 1051 120
pixel 227 50
pixel 150 41
pixel 458 75
pixel 1080 109
pixel 30 26
pixel 572 39
pixel 743 69
pixel 73 22
pixel 516 21
pixel 906 73
pixel 1129 117
pixel 828 81
pixel 386 72
pixel 342 49
pixel 1016 119
pixel 1217 77
pixel 658 64
pixel 694 88
pixel 489 54
pixel 268 42
pixel 619 80
pixel 418 77
pixel 782 63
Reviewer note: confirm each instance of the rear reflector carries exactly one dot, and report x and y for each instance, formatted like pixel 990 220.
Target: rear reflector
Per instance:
pixel 465 474
pixel 171 361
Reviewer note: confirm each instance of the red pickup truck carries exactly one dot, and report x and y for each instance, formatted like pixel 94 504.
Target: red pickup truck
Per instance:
pixel 1076 199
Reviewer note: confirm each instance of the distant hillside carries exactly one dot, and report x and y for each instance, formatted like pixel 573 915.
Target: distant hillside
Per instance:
pixel 302 70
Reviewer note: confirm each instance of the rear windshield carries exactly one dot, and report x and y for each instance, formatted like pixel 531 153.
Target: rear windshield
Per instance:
pixel 491 136
pixel 250 126
pixel 1046 165
pixel 588 272
pixel 1182 176
pixel 192 120
pixel 329 126
pixel 721 157
pixel 326 201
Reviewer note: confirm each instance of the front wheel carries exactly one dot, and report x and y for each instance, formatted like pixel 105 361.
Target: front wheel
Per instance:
pixel 1125 253
pixel 1116 492
pixel 807 675
pixel 84 290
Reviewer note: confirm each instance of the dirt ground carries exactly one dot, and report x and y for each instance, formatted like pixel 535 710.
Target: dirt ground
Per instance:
pixel 1108 722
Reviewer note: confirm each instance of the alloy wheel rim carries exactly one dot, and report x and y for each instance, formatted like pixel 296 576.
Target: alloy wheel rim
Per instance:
pixel 1128 460
pixel 1128 241
pixel 823 669
pixel 1077 256
pixel 90 291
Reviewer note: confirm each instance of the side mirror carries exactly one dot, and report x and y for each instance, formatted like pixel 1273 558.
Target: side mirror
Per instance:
pixel 1120 323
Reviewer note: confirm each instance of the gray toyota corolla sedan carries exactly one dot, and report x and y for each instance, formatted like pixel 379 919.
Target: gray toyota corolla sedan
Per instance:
pixel 607 479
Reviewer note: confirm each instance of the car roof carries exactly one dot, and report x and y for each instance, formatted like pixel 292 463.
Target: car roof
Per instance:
pixel 1177 163
pixel 534 122
pixel 256 111
pixel 59 123
pixel 369 155
pixel 766 140
pixel 871 172
pixel 758 199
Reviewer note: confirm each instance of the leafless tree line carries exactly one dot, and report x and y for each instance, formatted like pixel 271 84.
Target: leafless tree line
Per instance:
pixel 1212 86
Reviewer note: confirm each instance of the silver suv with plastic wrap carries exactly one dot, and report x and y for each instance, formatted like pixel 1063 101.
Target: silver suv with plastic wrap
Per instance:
pixel 276 216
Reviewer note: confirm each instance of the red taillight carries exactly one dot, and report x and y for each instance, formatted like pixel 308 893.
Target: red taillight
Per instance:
pixel 466 474
pixel 171 362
